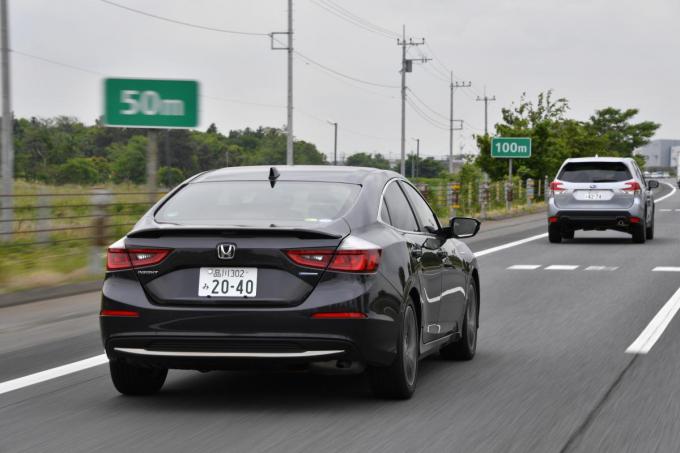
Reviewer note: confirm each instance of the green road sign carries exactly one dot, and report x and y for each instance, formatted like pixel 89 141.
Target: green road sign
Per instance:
pixel 511 147
pixel 151 103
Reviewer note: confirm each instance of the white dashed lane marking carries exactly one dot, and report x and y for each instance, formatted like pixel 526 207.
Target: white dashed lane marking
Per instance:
pixel 666 269
pixel 562 267
pixel 665 210
pixel 602 268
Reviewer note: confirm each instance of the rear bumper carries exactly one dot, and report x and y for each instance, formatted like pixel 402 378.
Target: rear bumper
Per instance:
pixel 227 338
pixel 575 220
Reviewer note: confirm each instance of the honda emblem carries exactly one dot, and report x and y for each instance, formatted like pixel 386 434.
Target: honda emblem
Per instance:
pixel 226 251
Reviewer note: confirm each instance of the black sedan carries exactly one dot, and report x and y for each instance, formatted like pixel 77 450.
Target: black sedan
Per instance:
pixel 334 267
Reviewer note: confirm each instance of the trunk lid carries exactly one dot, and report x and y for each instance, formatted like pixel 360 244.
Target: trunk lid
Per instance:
pixel 279 281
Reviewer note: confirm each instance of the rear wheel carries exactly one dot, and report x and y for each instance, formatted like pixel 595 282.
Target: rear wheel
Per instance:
pixel 554 233
pixel 465 348
pixel 649 232
pixel 136 380
pixel 398 380
pixel 639 233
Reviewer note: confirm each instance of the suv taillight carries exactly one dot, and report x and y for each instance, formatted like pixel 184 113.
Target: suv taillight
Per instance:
pixel 632 186
pixel 556 187
pixel 118 259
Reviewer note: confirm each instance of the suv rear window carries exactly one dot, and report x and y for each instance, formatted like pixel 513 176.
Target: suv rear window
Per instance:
pixel 594 172
pixel 237 202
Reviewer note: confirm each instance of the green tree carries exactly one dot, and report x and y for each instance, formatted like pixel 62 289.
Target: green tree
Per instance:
pixel 129 161
pixel 79 170
pixel 622 136
pixel 170 176
pixel 368 160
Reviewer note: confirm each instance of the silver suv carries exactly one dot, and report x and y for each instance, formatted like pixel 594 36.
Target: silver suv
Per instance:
pixel 601 193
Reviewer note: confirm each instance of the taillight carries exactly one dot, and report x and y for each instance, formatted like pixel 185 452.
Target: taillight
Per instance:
pixel 556 187
pixel 635 220
pixel 118 259
pixel 353 255
pixel 318 258
pixel 632 186
pixel 355 261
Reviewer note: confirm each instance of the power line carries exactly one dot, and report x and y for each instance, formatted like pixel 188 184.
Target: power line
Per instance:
pixel 179 22
pixel 368 23
pixel 424 104
pixel 425 116
pixel 356 79
pixel 353 19
pixel 220 30
pixel 57 63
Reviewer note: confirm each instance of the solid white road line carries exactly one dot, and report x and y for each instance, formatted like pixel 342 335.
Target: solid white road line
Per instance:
pixel 601 268
pixel 673 189
pixel 52 373
pixel 644 343
pixel 562 267
pixel 101 359
pixel 524 267
pixel 510 244
pixel 666 269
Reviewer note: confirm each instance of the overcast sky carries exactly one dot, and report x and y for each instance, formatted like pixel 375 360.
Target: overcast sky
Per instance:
pixel 596 53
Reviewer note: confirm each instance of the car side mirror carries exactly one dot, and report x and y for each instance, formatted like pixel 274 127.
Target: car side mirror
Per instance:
pixel 464 227
pixel 652 184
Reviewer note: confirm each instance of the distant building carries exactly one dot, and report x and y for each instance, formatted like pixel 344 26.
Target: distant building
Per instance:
pixel 660 154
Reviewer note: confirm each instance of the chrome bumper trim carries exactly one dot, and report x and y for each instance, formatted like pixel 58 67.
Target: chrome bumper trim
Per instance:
pixel 271 355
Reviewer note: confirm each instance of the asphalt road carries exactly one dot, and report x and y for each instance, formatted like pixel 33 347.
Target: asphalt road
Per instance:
pixel 551 373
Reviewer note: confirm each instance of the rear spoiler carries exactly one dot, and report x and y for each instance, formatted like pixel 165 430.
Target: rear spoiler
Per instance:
pixel 177 230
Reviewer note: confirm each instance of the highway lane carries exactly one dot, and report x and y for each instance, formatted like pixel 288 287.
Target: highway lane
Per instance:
pixel 551 371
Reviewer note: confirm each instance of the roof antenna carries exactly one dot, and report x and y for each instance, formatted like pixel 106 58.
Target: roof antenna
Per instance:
pixel 273 176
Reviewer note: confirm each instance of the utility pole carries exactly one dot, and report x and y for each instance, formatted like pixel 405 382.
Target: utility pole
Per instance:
pixel 7 120
pixel 416 173
pixel 486 99
pixel 289 49
pixel 454 85
pixel 406 66
pixel 335 141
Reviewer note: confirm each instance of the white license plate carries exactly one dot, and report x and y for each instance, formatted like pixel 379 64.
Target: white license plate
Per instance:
pixel 227 282
pixel 593 195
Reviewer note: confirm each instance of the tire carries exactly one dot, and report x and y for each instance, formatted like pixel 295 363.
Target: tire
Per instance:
pixel 639 233
pixel 466 347
pixel 554 233
pixel 398 380
pixel 568 234
pixel 649 231
pixel 136 380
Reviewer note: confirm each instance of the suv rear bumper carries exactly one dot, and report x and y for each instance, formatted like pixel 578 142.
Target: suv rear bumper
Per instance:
pixel 586 220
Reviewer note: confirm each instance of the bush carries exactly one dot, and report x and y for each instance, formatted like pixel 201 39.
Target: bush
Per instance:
pixel 170 176
pixel 79 170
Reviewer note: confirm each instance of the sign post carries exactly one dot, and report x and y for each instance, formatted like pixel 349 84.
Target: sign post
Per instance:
pixel 510 148
pixel 153 104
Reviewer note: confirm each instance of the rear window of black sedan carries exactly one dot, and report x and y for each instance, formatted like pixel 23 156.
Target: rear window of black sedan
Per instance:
pixel 237 202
